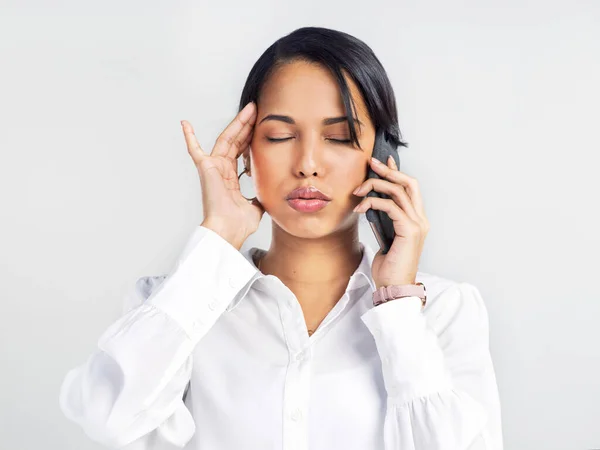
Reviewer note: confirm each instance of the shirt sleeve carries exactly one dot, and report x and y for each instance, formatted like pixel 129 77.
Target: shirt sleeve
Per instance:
pixel 438 372
pixel 129 392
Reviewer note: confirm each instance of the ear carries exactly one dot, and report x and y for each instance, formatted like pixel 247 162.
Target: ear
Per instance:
pixel 246 159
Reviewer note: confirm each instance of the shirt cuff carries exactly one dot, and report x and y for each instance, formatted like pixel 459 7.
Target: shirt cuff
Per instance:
pixel 412 360
pixel 207 275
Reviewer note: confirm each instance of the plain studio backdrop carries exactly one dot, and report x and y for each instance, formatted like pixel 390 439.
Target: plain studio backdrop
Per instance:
pixel 499 102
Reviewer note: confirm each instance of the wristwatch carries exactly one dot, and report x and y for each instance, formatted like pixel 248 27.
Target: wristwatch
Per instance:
pixel 395 291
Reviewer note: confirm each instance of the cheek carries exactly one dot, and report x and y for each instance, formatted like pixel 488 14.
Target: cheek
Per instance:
pixel 352 172
pixel 268 176
pixel 264 167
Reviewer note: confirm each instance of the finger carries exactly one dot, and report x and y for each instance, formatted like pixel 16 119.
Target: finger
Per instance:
pixel 399 217
pixel 239 144
pixel 424 220
pixel 392 163
pixel 396 176
pixel 242 140
pixel 396 192
pixel 223 145
pixel 243 147
pixel 191 142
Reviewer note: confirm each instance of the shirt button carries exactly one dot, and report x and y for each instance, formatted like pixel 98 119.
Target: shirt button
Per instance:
pixel 213 303
pixel 232 282
pixel 297 415
pixel 299 356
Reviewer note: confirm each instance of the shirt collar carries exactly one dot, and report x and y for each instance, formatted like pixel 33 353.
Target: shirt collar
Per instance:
pixel 360 277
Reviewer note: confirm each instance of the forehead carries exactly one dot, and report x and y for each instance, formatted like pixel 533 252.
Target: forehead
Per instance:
pixel 308 91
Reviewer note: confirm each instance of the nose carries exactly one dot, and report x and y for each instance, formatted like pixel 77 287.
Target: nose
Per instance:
pixel 309 160
pixel 303 174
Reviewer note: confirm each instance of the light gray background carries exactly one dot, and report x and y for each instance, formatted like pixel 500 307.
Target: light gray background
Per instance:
pixel 498 101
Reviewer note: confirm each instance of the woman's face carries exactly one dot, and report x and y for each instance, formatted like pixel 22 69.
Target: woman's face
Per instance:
pixel 308 94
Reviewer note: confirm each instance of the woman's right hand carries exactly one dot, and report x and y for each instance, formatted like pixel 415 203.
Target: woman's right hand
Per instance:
pixel 226 211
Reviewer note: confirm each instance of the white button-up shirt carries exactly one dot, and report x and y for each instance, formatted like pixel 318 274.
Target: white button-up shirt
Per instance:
pixel 216 355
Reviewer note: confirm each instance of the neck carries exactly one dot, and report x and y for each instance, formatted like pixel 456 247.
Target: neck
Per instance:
pixel 313 268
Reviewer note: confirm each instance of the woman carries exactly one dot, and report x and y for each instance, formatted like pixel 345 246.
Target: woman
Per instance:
pixel 285 348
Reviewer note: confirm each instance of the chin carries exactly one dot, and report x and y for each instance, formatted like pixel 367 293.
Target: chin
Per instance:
pixel 308 229
pixel 313 226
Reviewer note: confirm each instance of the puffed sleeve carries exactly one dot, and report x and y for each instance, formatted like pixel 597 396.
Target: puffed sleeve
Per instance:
pixel 129 392
pixel 438 372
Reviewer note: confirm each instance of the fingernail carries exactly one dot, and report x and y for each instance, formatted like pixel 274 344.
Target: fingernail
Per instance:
pixel 244 114
pixel 375 160
pixel 356 190
pixel 392 162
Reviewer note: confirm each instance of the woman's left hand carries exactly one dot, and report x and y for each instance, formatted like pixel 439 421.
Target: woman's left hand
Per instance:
pixel 405 208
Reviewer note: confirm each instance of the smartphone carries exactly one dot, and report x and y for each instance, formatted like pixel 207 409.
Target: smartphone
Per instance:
pixel 380 222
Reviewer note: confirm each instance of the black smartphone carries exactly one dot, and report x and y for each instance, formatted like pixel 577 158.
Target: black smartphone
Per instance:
pixel 380 222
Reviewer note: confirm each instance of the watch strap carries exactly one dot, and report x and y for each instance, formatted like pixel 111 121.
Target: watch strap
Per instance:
pixel 395 291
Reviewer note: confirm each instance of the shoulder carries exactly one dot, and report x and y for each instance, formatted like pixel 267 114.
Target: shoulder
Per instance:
pixel 454 306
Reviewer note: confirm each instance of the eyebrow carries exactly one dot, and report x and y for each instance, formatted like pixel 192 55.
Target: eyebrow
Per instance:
pixel 288 119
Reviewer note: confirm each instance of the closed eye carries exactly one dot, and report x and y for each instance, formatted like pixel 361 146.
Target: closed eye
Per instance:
pixel 278 140
pixel 337 141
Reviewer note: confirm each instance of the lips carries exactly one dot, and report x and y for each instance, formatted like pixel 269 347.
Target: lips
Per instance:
pixel 307 199
pixel 307 205
pixel 307 193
